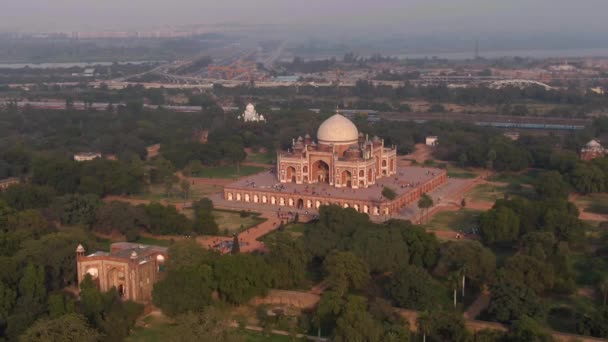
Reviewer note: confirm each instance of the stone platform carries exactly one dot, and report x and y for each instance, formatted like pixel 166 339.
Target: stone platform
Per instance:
pixel 263 189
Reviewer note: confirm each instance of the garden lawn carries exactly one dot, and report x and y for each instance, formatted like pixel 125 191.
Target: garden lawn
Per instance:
pixel 487 193
pixel 525 177
pixel 229 171
pixel 231 222
pixel 157 330
pixel 295 231
pixel 156 193
pixel 561 311
pixel 253 336
pixel 261 158
pixel 457 172
pixel 463 219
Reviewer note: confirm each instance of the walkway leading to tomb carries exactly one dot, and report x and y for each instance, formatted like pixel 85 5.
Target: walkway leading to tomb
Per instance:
pixel 248 239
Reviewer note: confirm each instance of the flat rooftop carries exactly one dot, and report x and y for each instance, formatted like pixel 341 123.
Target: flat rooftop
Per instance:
pixel 406 179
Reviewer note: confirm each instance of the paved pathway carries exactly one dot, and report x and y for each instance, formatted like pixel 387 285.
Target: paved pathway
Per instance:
pixel 248 239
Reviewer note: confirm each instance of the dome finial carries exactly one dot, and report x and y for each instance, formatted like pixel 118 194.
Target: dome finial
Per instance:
pixel 80 249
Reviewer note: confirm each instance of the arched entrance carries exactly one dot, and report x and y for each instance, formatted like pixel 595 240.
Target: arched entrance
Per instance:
pixel 291 174
pixel 116 279
pixel 320 172
pixel 300 203
pixel 347 179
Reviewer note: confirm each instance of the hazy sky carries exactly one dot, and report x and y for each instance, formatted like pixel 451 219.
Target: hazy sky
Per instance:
pixel 416 16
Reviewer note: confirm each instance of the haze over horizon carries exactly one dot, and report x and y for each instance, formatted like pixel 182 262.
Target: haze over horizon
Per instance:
pixel 384 16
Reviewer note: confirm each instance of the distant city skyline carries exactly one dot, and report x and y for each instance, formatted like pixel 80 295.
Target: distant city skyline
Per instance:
pixel 353 16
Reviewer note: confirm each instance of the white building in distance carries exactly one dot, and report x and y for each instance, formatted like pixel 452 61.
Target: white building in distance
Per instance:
pixel 86 156
pixel 250 115
pixel 432 140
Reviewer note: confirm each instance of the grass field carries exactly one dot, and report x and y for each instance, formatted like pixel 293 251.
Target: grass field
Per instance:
pixel 487 193
pixel 252 336
pixel 457 172
pixel 491 192
pixel 262 158
pixel 159 330
pixel 463 219
pixel 231 222
pixel 295 231
pixel 594 203
pixel 526 177
pixel 197 191
pixel 228 171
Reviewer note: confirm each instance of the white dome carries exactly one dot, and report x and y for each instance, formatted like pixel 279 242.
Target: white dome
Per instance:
pixel 250 108
pixel 337 130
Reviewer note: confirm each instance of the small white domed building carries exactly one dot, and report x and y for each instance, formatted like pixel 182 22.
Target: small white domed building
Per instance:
pixel 341 157
pixel 250 115
pixel 593 149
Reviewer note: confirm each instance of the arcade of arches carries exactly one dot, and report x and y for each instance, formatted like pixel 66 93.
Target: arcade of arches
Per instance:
pixel 311 201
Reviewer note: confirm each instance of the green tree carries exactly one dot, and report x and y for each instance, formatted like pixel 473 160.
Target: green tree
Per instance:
pixel 532 272
pixel 499 225
pixel 587 178
pixel 551 184
pixel 389 193
pixel 356 325
pixel 241 277
pixel 384 249
pixel 187 254
pixel 204 221
pixel 424 203
pixel 236 248
pixel 511 300
pixel 445 326
pixel 66 328
pixel 468 258
pixel 30 222
pixel 413 288
pixel 185 187
pixel 288 261
pixel 345 271
pixel 166 219
pixel 28 196
pixel 527 329
pixel 59 304
pixel 208 325
pixel 184 290
pixel 8 299
pixel 77 209
pixel 121 217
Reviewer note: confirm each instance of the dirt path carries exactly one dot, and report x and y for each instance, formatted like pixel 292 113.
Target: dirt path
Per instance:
pixel 480 304
pixel 248 239
pixel 421 153
pixel 585 215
